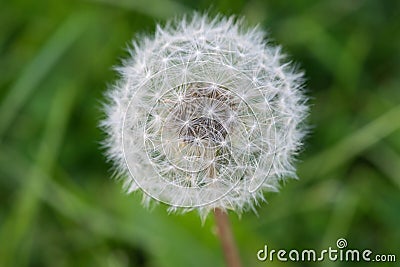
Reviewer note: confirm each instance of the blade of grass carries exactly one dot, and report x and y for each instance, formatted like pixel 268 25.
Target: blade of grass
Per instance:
pixel 387 160
pixel 15 229
pixel 350 146
pixel 40 66
pixel 342 215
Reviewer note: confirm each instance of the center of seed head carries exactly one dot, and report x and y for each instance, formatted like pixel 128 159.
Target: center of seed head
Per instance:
pixel 195 128
pixel 203 129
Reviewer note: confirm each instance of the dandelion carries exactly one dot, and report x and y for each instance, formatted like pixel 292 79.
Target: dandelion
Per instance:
pixel 206 116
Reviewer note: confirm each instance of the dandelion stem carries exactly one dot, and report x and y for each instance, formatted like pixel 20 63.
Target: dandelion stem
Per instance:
pixel 227 241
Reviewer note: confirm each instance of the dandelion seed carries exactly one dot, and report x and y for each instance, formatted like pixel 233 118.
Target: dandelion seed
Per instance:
pixel 206 115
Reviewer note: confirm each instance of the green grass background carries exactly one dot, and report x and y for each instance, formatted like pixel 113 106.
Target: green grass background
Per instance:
pixel 58 205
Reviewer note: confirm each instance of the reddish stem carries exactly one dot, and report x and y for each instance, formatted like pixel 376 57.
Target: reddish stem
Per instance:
pixel 227 241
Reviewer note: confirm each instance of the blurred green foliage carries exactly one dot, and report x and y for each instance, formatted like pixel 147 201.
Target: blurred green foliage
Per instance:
pixel 58 205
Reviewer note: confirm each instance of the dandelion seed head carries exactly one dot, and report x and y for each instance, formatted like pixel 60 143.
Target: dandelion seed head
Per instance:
pixel 206 115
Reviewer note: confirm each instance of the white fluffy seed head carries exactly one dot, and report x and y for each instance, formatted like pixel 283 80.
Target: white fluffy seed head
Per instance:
pixel 205 115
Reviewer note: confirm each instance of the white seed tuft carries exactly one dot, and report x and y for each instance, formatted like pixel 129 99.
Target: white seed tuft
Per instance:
pixel 206 115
